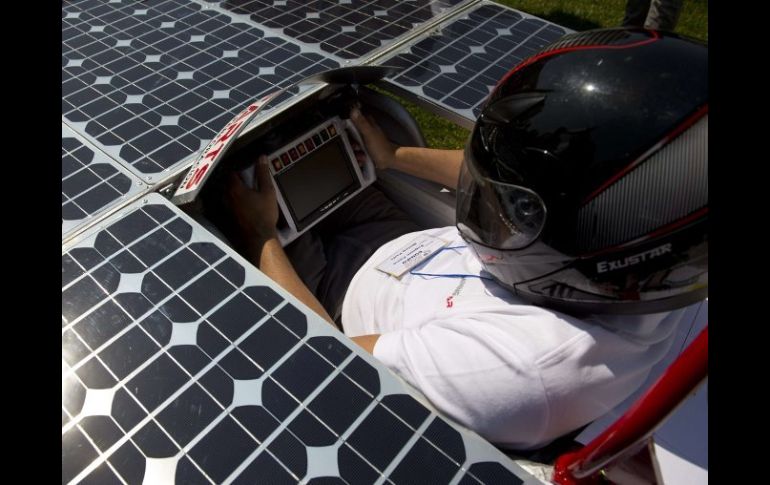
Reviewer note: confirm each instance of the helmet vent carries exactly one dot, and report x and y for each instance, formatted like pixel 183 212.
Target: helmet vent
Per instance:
pixel 597 38
pixel 666 187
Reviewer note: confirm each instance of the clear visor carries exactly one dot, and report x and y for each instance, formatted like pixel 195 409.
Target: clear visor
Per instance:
pixel 497 214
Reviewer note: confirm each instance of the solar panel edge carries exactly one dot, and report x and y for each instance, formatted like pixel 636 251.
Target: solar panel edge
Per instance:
pixel 479 451
pixel 351 58
pixel 476 448
pixel 483 3
pixel 463 118
pixel 71 228
pixel 245 18
pixel 424 29
pixel 92 230
pixel 454 109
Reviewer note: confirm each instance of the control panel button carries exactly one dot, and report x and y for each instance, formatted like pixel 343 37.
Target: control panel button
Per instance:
pixel 285 158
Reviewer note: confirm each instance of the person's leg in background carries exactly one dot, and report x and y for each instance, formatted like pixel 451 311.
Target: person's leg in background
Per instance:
pixel 652 14
pixel 636 13
pixel 664 14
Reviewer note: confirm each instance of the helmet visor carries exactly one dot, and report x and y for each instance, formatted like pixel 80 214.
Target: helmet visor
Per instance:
pixel 497 214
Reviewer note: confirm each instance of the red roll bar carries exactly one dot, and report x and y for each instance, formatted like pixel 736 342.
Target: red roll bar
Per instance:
pixel 630 432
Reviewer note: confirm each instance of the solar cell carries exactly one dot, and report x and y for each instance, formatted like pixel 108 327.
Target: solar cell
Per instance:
pixel 349 29
pixel 189 365
pixel 150 83
pixel 91 182
pixel 457 66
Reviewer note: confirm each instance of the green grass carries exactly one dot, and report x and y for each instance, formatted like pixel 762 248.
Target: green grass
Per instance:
pixel 574 14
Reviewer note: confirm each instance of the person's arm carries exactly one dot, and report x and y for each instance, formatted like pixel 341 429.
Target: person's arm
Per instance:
pixel 366 342
pixel 440 166
pixel 256 213
pixel 275 264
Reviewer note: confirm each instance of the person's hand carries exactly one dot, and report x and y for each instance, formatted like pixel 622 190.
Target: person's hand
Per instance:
pixel 382 151
pixel 255 211
pixel 358 149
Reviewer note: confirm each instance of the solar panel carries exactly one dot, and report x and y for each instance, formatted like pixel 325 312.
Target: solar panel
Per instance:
pixel 182 363
pixel 350 29
pixel 457 66
pixel 91 182
pixel 150 83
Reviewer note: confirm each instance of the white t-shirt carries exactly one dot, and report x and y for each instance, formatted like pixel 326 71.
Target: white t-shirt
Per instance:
pixel 518 374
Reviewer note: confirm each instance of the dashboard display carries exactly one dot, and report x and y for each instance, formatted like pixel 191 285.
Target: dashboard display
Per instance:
pixel 316 182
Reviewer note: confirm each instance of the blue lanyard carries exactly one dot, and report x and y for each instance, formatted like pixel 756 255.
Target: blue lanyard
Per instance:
pixel 412 272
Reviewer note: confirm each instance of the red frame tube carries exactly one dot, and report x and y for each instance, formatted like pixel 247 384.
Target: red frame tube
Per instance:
pixel 638 423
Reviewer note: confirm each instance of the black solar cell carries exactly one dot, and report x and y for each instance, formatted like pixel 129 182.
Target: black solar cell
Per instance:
pixel 412 470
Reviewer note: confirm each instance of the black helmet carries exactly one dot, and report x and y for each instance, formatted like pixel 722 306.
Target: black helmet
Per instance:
pixel 585 180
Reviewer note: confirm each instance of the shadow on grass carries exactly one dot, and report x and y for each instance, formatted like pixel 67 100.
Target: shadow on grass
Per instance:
pixel 570 20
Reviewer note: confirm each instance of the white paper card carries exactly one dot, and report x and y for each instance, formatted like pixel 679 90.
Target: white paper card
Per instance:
pixel 410 255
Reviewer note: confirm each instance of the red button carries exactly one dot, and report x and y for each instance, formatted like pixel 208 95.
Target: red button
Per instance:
pixel 293 154
pixel 285 158
pixel 309 144
pixel 301 149
pixel 332 130
pixel 276 164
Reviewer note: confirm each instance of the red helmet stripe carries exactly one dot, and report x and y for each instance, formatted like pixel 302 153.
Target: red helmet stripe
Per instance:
pixel 544 55
pixel 678 130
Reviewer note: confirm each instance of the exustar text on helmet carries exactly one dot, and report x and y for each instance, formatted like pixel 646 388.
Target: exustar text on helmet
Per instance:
pixel 604 266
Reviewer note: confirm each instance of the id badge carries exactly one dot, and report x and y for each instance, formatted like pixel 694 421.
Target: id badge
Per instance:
pixel 410 255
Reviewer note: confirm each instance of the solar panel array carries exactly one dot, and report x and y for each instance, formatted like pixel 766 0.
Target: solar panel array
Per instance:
pixel 91 182
pixel 457 67
pixel 148 84
pixel 151 82
pixel 349 29
pixel 181 363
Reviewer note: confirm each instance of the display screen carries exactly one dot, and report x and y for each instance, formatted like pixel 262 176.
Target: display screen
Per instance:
pixel 317 179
